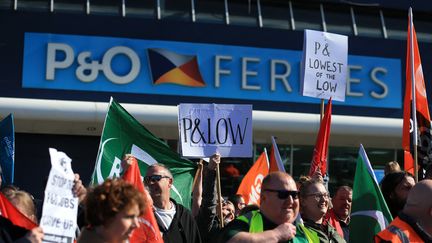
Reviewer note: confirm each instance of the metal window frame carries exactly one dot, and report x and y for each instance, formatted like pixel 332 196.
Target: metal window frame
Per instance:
pixel 260 19
pixel 291 15
pixel 383 25
pixel 354 24
pixel 227 20
pixel 123 8
pixel 158 10
pixel 193 17
pixel 323 21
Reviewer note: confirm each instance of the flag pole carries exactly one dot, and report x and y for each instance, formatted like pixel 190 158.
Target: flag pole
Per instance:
pixel 322 110
pixel 219 195
pixel 413 94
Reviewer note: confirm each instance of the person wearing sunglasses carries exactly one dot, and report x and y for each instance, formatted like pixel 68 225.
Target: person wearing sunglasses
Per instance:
pixel 175 221
pixel 275 219
pixel 314 201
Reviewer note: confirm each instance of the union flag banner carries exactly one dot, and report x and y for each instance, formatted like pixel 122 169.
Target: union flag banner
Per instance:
pixel 416 131
pixel 319 159
pixel 9 211
pixel 275 159
pixel 148 230
pixel 250 187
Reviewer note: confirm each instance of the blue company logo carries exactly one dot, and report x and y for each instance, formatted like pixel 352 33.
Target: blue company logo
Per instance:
pixel 88 63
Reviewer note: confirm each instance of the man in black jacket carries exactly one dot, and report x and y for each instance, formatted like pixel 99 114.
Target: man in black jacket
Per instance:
pixel 175 221
pixel 207 219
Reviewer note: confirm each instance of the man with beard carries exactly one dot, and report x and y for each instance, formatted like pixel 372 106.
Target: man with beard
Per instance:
pixel 395 188
pixel 338 216
pixel 414 222
pixel 274 222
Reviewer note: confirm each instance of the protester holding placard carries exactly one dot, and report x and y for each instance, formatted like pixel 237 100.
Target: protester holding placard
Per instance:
pixel 207 219
pixel 112 211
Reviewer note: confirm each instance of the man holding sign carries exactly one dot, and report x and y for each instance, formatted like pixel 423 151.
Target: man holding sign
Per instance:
pixel 59 215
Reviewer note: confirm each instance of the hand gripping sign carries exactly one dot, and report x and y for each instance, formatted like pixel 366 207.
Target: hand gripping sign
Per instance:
pixel 324 65
pixel 206 129
pixel 59 213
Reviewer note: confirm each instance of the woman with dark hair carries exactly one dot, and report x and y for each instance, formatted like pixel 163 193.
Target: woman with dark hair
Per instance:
pixel 314 203
pixel 112 211
pixel 395 187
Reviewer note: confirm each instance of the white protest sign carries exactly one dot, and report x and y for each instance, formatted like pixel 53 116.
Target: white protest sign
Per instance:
pixel 324 65
pixel 60 208
pixel 206 129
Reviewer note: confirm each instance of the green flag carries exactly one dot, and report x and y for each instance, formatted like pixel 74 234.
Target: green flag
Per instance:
pixel 123 134
pixel 369 214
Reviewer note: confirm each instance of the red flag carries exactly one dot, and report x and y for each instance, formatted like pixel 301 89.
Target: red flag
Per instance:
pixel 9 211
pixel 319 159
pixel 275 158
pixel 148 230
pixel 423 128
pixel 250 187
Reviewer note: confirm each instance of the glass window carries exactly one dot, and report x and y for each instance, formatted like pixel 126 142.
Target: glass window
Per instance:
pixel 210 11
pixel 232 172
pixel 6 4
pixel 307 16
pixel 178 9
pixel 275 15
pixel 34 5
pixel 423 29
pixel 139 8
pixel 338 19
pixel 241 13
pixel 302 157
pixel 396 24
pixel 105 7
pixel 368 22
pixel 69 6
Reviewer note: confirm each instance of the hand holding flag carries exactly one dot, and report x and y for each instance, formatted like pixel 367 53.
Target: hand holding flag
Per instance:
pixel 319 159
pixel 148 230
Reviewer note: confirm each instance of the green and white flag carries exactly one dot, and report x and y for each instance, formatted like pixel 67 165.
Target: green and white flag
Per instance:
pixel 369 214
pixel 123 134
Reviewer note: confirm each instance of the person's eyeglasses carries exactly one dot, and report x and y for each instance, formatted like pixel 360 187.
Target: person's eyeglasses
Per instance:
pixel 319 195
pixel 283 194
pixel 154 178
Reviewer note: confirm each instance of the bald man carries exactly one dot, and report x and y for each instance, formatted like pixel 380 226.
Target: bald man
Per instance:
pixel 175 221
pixel 414 223
pixel 274 222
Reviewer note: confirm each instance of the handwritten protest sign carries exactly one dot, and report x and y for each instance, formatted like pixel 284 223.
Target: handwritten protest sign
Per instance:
pixel 59 212
pixel 324 65
pixel 209 128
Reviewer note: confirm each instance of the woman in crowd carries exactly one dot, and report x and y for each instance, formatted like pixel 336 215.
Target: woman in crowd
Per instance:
pixel 112 211
pixel 395 187
pixel 23 201
pixel 314 203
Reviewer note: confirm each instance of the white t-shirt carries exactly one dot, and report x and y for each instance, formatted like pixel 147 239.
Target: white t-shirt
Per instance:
pixel 165 216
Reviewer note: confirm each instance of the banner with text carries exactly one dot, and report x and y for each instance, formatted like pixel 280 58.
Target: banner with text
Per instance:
pixel 60 208
pixel 324 65
pixel 206 129
pixel 204 70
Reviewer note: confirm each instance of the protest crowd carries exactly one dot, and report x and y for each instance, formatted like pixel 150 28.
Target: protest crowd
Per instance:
pixel 173 199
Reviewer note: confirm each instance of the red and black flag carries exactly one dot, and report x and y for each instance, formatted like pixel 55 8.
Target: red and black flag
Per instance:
pixel 319 159
pixel 416 130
